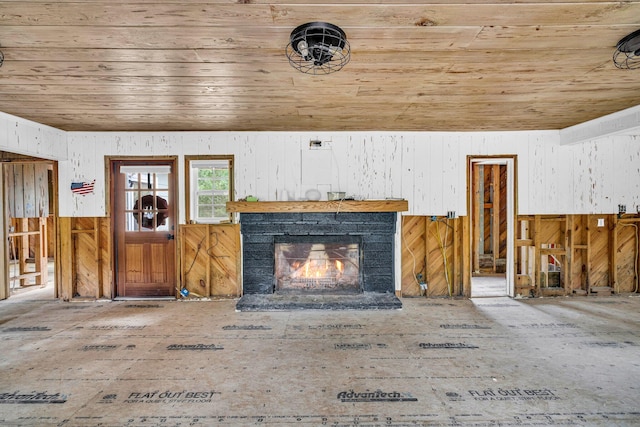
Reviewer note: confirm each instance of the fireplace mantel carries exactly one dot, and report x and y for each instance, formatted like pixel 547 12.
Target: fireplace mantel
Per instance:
pixel 390 205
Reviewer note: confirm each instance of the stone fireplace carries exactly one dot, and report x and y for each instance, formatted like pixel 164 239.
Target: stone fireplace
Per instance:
pixel 316 256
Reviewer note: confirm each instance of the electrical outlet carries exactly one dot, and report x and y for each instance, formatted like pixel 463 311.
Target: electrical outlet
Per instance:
pixel 451 214
pixel 600 222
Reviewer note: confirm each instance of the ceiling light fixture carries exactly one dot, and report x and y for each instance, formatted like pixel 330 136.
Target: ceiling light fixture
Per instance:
pixel 627 54
pixel 318 48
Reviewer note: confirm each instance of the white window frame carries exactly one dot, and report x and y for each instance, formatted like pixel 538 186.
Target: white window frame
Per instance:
pixel 193 165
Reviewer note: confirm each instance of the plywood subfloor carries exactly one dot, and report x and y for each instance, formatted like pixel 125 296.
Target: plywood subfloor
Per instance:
pixel 489 361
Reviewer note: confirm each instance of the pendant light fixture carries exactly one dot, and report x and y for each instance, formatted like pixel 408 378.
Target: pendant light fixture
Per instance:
pixel 627 54
pixel 318 48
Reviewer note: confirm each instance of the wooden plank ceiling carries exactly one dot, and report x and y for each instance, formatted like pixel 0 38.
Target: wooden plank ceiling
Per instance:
pixel 106 65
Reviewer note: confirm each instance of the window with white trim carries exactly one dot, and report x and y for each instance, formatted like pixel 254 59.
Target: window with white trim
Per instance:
pixel 210 188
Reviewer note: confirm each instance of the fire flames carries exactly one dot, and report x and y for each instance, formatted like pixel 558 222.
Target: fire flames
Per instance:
pixel 318 269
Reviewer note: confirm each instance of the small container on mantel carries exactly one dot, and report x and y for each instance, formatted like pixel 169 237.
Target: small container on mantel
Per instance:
pixel 335 195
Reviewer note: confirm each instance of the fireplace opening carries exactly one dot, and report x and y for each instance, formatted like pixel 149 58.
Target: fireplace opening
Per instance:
pixel 318 264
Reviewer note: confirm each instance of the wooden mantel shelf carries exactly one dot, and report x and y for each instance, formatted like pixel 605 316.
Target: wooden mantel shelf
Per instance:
pixel 321 206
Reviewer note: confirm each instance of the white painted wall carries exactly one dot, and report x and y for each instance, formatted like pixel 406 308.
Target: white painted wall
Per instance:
pixel 426 168
pixel 22 136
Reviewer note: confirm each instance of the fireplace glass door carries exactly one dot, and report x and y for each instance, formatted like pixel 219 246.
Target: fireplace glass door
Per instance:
pixel 316 266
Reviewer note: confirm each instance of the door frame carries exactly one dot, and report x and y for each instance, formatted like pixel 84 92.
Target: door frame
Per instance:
pixel 5 290
pixel 4 246
pixel 511 162
pixel 110 162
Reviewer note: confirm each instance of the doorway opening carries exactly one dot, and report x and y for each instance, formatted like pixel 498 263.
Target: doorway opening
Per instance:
pixel 492 216
pixel 29 221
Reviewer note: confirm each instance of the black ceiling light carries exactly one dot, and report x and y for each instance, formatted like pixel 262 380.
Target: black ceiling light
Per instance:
pixel 318 48
pixel 627 54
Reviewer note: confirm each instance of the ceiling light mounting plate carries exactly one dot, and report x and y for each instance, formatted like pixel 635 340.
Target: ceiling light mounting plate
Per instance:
pixel 318 48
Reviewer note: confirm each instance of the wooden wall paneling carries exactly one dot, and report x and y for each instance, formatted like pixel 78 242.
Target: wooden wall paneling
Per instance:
pixel 408 176
pixel 599 260
pixel 477 205
pixel 10 189
pixel 97 257
pixel 438 201
pixel 613 254
pixel 86 257
pixel 570 239
pixel 224 253
pixel 495 215
pixel 580 179
pixel 522 261
pixel 427 271
pixel 262 168
pixel 566 257
pixel 274 159
pixel 19 211
pixel 502 203
pixel 40 252
pixel 436 269
pixel 195 270
pixel 367 186
pixel 4 229
pixel 465 261
pixel 604 160
pixel 536 254
pixel 245 167
pixel 105 260
pixel 23 247
pixel 485 212
pixel 413 262
pixel 455 173
pixel 455 257
pixel 41 174
pixel 423 167
pixel 551 169
pixel 587 260
pixel 536 179
pixel 627 255
pixel 292 174
pixel 578 267
pixel 552 252
pixel 393 169
pixel 65 272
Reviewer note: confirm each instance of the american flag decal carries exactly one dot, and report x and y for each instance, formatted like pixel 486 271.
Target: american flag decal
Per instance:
pixel 82 187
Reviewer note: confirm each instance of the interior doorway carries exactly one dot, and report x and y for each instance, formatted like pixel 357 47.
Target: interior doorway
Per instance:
pixel 492 216
pixel 144 218
pixel 28 194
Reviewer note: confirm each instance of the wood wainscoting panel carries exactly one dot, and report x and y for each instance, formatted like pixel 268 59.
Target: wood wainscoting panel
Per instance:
pixel 426 241
pixel 626 259
pixel 210 259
